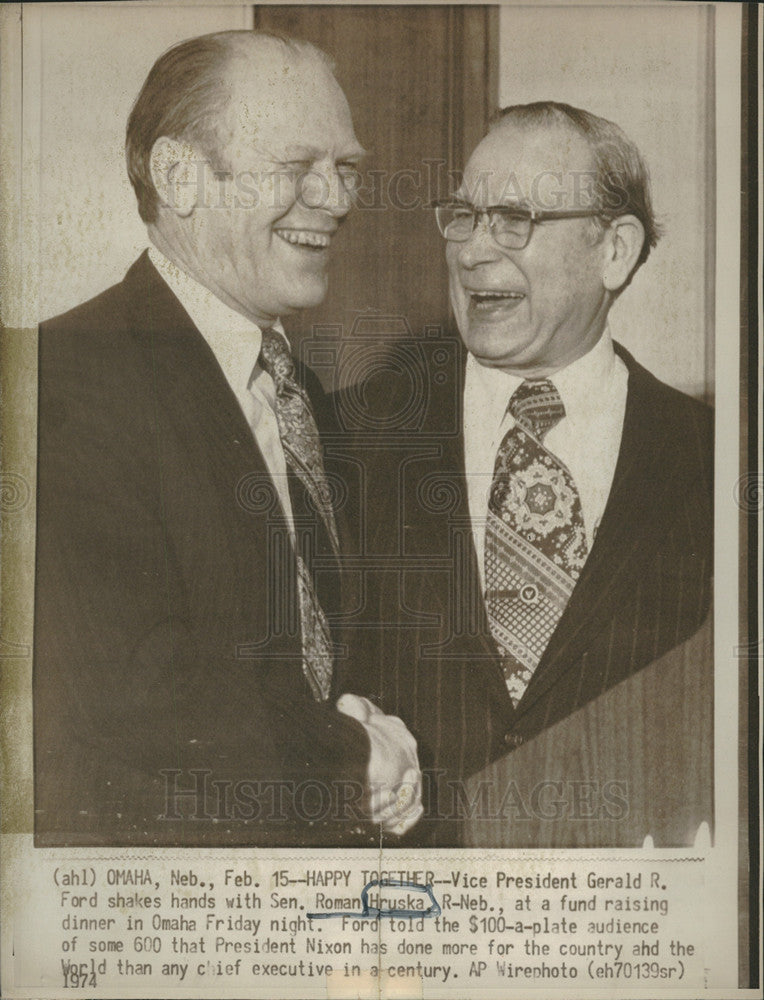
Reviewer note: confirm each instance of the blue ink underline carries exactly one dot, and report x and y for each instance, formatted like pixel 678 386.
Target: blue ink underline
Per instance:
pixel 375 912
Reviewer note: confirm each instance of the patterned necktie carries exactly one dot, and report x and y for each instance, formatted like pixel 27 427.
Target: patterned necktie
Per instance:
pixel 302 451
pixel 535 544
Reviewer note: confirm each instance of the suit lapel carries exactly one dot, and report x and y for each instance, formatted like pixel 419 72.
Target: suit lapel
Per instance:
pixel 630 519
pixel 190 386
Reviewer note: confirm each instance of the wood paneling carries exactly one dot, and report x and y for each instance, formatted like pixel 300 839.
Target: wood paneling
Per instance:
pixel 421 84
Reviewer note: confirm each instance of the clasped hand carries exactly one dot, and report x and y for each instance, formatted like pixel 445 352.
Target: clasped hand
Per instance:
pixel 394 777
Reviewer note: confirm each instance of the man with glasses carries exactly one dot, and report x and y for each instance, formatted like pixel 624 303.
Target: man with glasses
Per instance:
pixel 187 546
pixel 556 536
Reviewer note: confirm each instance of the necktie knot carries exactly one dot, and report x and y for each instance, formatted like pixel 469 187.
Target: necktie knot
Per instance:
pixel 275 358
pixel 537 407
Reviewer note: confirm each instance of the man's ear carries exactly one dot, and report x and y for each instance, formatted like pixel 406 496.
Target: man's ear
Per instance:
pixel 175 167
pixel 623 247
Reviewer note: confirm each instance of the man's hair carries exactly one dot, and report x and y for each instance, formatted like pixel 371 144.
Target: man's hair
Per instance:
pixel 622 180
pixel 184 97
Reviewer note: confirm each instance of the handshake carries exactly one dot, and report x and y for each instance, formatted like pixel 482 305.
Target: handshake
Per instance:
pixel 394 777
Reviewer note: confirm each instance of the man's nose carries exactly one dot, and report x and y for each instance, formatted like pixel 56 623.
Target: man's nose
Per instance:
pixel 481 247
pixel 323 187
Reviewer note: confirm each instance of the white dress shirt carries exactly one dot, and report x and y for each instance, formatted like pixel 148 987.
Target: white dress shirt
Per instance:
pixel 586 440
pixel 235 341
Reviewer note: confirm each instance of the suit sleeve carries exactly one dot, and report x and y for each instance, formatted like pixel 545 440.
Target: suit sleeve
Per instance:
pixel 128 683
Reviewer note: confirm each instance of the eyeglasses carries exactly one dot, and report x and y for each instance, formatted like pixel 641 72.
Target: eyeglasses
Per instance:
pixel 510 225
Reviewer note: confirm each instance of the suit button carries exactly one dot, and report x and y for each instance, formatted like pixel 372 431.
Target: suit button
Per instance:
pixel 513 739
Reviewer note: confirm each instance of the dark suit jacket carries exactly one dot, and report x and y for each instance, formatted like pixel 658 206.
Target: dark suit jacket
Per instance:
pixel 167 639
pixel 645 587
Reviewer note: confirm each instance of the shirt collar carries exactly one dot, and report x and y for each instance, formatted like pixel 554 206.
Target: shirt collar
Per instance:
pixel 235 340
pixel 583 385
pixel 487 392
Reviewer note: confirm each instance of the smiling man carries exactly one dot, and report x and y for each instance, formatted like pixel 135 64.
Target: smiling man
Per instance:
pixel 551 530
pixel 187 548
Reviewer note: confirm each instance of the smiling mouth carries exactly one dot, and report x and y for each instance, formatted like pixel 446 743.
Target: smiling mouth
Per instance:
pixel 483 301
pixel 305 238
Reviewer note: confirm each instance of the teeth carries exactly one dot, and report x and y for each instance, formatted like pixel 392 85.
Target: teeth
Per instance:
pixel 486 296
pixel 304 238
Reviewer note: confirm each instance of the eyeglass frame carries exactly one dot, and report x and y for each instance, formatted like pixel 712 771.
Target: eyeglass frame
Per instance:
pixel 533 215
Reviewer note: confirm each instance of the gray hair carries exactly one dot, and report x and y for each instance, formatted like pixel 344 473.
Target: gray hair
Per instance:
pixel 184 96
pixel 622 180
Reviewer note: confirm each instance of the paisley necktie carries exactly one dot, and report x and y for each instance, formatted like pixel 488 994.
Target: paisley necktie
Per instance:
pixel 302 451
pixel 535 543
